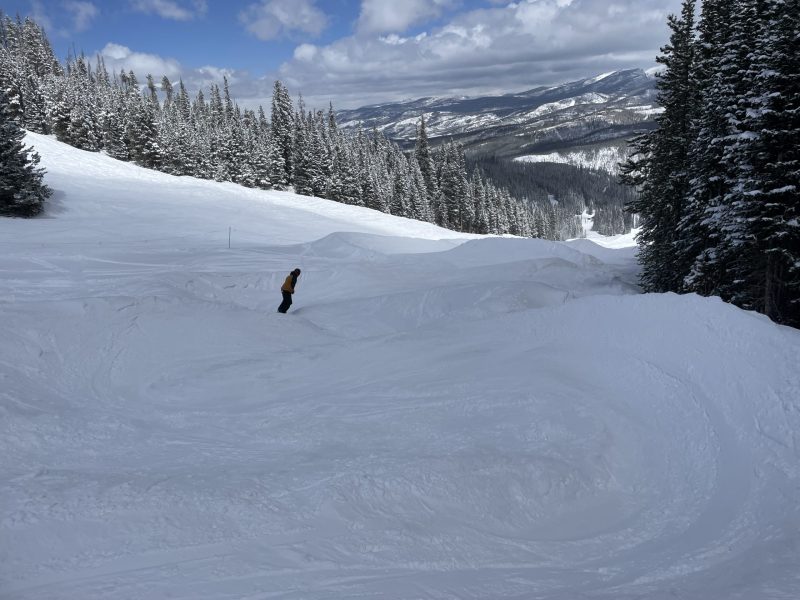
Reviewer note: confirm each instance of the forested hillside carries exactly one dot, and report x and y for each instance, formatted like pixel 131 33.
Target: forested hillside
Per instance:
pixel 160 126
pixel 567 188
pixel 585 123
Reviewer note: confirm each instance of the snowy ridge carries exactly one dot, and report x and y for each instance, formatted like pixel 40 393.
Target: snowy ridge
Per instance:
pixel 604 159
pixel 552 107
pixel 608 109
pixel 601 77
pixel 437 417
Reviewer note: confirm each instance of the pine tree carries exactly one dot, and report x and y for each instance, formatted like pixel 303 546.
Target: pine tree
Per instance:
pixel 35 116
pixel 479 198
pixel 452 185
pixel 345 185
pixel 283 129
pixel 114 137
pixel 762 225
pixel 166 87
pixel 259 159
pixel 83 130
pixel 318 160
pixel 659 166
pixel 11 73
pixel 276 164
pixel 142 135
pixel 152 93
pixel 716 269
pixel 22 191
pixel 229 108
pixel 301 158
pixel 420 208
pixel 216 110
pixel 422 153
pixel 695 256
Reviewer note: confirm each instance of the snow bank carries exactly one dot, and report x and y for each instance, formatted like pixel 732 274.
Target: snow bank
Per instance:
pixel 499 418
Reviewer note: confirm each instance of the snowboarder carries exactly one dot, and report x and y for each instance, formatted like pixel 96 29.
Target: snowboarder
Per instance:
pixel 287 289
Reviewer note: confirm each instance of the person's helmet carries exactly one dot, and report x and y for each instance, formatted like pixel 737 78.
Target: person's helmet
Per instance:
pixel 296 271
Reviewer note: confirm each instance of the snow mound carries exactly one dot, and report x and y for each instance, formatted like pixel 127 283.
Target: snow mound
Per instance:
pixel 371 247
pixel 435 417
pixel 498 251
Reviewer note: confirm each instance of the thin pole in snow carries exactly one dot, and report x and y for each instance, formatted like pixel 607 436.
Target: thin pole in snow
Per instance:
pixel 229 238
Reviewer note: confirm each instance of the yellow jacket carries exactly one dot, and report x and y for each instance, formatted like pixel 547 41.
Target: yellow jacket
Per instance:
pixel 288 285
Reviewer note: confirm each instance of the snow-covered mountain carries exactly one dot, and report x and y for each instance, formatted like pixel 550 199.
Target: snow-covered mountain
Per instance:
pixel 602 158
pixel 604 110
pixel 439 416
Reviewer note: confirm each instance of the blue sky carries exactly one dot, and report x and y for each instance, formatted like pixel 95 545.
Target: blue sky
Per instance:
pixel 357 52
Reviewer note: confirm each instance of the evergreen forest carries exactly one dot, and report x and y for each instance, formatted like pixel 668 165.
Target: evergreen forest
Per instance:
pixel 719 179
pixel 159 125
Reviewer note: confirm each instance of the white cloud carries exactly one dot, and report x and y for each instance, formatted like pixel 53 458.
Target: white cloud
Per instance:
pixel 381 16
pixel 120 58
pixel 500 48
pixel 171 9
pixel 270 19
pixel 79 16
pixel 497 49
pixel 305 52
pixel 83 13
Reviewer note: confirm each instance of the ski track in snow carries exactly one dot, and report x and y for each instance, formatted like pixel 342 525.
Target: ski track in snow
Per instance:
pixel 436 418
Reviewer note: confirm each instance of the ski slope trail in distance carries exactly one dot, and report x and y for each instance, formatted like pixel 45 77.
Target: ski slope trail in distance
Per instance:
pixel 438 417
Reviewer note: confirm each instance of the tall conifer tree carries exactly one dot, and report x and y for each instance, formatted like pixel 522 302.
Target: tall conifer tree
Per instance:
pixel 22 192
pixel 659 166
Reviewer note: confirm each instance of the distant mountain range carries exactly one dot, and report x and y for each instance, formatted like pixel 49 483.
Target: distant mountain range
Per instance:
pixel 576 119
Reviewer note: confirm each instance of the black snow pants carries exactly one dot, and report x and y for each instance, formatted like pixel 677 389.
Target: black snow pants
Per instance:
pixel 287 302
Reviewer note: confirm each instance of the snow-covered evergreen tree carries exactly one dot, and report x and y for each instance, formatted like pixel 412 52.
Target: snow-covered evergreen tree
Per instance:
pixel 22 191
pixel 762 225
pixel 422 153
pixel 283 127
pixel 737 233
pixel 696 245
pixel 659 166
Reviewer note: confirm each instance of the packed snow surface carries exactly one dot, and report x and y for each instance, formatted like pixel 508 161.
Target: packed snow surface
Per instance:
pixel 436 418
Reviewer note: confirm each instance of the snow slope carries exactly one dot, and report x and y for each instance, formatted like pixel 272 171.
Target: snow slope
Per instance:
pixel 603 159
pixel 436 418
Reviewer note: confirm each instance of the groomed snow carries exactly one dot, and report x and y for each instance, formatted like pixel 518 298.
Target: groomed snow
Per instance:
pixel 436 418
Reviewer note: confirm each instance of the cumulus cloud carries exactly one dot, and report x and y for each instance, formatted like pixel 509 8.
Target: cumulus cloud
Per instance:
pixel 381 16
pixel 495 49
pixel 171 9
pixel 270 19
pixel 120 58
pixel 247 90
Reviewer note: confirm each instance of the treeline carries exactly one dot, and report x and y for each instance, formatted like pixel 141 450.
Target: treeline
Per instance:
pixel 719 179
pixel 563 191
pixel 159 126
